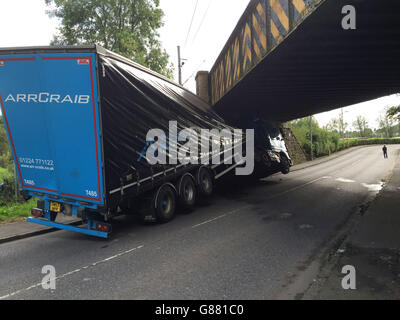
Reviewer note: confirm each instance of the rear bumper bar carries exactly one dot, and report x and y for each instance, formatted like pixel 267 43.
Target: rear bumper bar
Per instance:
pixel 68 227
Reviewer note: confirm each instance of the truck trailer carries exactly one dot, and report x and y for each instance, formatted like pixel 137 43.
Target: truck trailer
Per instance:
pixel 78 119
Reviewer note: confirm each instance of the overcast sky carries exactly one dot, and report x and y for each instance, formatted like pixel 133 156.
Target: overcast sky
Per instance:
pixel 25 23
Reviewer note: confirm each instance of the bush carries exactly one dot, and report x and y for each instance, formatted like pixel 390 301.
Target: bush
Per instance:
pixel 6 161
pixel 326 142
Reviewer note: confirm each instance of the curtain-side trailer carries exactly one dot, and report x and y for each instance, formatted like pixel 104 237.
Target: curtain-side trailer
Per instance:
pixel 77 120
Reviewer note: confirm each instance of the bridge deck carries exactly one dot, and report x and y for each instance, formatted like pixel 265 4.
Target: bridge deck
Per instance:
pixel 320 66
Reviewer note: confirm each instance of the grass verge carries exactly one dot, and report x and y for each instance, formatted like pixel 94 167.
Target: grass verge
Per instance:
pixel 14 211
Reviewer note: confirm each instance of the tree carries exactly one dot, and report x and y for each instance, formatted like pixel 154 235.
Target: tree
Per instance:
pixel 386 123
pixel 341 124
pixel 6 160
pixel 338 124
pixel 127 27
pixel 393 112
pixel 361 125
pixel 324 141
pixel 333 125
pixel 4 146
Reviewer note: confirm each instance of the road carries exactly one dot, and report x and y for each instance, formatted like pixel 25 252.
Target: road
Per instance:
pixel 246 242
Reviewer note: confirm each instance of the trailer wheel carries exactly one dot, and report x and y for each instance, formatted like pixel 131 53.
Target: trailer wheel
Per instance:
pixel 164 203
pixel 187 191
pixel 205 181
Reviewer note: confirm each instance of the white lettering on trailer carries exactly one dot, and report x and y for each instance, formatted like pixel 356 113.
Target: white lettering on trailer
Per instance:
pixel 32 97
pixel 91 193
pixel 45 97
pixel 41 100
pixel 67 99
pixel 21 97
pixel 10 98
pixel 55 97
pixel 29 182
pixel 84 99
pixel 36 164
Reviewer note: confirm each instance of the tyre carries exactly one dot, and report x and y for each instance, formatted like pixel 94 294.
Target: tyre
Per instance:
pixel 205 181
pixel 187 191
pixel 164 203
pixel 285 164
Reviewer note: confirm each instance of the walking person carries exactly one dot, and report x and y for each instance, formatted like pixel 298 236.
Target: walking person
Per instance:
pixel 385 154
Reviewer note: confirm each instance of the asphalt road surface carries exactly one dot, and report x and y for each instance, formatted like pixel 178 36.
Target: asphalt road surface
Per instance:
pixel 246 242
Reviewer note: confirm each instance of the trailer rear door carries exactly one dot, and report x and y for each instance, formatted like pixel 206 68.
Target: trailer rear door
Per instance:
pixel 50 111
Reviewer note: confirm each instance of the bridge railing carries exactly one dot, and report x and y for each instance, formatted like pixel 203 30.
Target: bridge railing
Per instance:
pixel 264 25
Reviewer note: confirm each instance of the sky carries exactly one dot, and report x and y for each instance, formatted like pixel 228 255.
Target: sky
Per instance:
pixel 201 32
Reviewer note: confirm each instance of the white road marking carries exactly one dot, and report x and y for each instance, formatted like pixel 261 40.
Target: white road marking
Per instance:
pixel 373 187
pixel 73 272
pixel 268 198
pixel 285 216
pixel 209 221
pixel 296 188
pixel 220 217
pixel 345 180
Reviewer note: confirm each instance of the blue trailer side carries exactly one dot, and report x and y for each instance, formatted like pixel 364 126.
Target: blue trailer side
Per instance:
pixel 50 105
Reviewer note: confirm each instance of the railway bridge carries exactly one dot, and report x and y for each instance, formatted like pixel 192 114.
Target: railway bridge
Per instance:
pixel 291 58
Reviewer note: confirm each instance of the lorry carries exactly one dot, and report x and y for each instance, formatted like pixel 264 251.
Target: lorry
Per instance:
pixel 78 118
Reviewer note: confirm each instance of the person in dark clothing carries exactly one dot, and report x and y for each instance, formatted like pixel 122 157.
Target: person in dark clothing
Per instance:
pixel 385 154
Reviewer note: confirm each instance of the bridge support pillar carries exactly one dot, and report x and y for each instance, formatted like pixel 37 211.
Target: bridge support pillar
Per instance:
pixel 202 85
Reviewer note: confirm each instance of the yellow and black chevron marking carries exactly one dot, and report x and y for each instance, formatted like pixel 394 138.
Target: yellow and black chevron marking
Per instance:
pixel 236 59
pixel 246 46
pixel 228 69
pixel 300 7
pixel 279 19
pixel 264 25
pixel 260 30
pixel 220 79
